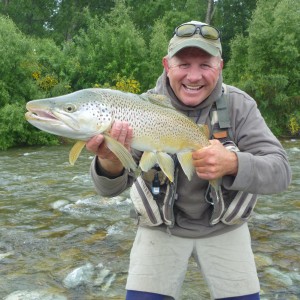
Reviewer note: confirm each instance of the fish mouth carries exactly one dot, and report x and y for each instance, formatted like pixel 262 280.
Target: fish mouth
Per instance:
pixel 40 115
pixel 46 118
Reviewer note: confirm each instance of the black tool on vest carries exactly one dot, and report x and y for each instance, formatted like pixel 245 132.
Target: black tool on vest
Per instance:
pixel 155 189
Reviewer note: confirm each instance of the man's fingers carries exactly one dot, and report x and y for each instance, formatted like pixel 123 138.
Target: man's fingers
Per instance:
pixel 122 132
pixel 129 137
pixel 94 143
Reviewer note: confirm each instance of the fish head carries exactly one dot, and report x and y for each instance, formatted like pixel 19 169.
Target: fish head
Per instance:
pixel 79 115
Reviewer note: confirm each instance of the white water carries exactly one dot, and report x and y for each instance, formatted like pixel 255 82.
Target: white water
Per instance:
pixel 59 240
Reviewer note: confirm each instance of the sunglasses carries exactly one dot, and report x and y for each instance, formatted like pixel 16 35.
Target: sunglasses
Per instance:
pixel 206 31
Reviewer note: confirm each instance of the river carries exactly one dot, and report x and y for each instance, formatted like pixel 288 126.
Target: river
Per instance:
pixel 60 240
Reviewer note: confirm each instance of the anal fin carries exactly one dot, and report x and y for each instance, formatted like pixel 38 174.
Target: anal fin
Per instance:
pixel 148 160
pixel 166 164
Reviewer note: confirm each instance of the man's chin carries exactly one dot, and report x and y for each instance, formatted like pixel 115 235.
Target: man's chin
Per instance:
pixel 193 99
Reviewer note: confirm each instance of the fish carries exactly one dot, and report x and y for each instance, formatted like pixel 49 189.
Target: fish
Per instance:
pixel 159 130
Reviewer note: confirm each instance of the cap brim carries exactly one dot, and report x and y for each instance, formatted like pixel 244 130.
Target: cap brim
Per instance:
pixel 211 49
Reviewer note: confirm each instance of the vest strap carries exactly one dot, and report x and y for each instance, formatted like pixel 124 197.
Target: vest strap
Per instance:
pixel 222 109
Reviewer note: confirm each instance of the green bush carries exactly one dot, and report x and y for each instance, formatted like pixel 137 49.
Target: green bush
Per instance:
pixel 16 131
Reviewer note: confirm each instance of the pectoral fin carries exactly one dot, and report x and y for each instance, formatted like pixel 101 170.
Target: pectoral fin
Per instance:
pixel 186 162
pixel 148 160
pixel 121 152
pixel 166 164
pixel 75 151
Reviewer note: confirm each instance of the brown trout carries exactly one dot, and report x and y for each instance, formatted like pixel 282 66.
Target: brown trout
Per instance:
pixel 159 130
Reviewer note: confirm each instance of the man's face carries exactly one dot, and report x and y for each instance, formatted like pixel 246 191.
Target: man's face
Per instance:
pixel 193 74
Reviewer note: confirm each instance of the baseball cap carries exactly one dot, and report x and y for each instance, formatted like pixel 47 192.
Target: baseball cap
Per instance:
pixel 195 34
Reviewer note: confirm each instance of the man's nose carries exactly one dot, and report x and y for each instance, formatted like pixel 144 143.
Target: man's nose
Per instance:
pixel 194 74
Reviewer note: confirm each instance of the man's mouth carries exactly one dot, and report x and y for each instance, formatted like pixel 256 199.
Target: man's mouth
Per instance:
pixel 192 87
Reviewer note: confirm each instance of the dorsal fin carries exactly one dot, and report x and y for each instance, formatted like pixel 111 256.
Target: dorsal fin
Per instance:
pixel 158 99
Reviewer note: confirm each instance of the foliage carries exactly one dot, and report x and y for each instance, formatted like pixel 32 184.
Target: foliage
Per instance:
pixel 57 47
pixel 264 63
pixel 294 124
pixel 232 17
pixel 173 12
pixel 16 64
pixel 25 68
pixel 127 85
pixel 106 48
pixel 14 131
pixel 29 15
pixel 51 69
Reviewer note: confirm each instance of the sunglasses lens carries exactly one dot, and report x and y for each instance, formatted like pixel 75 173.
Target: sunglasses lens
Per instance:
pixel 185 30
pixel 210 32
pixel 206 31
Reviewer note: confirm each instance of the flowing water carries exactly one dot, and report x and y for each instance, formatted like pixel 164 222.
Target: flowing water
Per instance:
pixel 59 240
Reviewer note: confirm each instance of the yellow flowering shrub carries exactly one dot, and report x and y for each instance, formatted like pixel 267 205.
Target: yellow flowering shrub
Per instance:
pixel 123 84
pixel 294 125
pixel 36 75
pixel 45 82
pixel 128 85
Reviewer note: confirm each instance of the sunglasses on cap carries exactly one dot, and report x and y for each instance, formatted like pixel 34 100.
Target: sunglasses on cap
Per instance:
pixel 206 31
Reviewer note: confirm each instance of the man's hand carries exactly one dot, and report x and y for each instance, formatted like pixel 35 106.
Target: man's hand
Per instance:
pixel 120 131
pixel 215 161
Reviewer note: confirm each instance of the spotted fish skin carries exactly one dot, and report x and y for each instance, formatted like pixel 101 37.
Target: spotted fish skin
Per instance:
pixel 159 130
pixel 158 127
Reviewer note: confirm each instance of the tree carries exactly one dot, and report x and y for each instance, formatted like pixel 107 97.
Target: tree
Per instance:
pixel 157 50
pixel 173 12
pixel 55 19
pixel 69 16
pixel 263 63
pixel 232 17
pixel 30 16
pixel 210 11
pixel 108 47
pixel 25 66
pixel 16 64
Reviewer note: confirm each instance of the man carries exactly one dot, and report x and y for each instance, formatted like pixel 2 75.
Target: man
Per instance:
pixel 192 79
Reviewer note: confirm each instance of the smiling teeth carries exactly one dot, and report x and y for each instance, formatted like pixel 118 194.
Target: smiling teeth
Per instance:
pixel 193 87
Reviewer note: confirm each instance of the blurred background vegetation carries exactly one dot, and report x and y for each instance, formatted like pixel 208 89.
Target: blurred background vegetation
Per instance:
pixel 53 47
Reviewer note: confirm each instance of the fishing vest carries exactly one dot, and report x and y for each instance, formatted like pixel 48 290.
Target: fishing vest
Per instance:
pixel 153 195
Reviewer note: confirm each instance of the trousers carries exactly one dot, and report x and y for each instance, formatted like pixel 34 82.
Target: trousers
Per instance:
pixel 159 261
pixel 136 295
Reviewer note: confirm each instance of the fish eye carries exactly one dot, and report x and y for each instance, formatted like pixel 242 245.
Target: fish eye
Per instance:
pixel 70 107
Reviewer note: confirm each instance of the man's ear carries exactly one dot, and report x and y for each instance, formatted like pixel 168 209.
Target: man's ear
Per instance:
pixel 165 62
pixel 221 64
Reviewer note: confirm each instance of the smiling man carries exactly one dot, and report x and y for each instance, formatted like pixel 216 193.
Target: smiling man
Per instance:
pixel 193 74
pixel 186 218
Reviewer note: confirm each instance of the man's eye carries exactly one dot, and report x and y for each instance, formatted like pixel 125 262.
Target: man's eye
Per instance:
pixel 184 66
pixel 205 66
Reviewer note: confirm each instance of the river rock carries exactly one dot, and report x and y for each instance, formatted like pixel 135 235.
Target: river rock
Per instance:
pixel 33 295
pixel 278 278
pixel 7 254
pixel 262 261
pixel 59 203
pixel 104 277
pixel 79 276
pixel 91 276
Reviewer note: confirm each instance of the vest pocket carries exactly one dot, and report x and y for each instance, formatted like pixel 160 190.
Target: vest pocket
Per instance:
pixel 240 209
pixel 146 207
